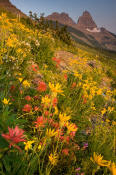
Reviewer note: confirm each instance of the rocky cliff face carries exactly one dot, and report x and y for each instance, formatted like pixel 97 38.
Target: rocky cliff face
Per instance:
pixel 6 4
pixel 86 21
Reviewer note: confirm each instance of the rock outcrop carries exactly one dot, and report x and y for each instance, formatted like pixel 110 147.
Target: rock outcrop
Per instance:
pixel 86 21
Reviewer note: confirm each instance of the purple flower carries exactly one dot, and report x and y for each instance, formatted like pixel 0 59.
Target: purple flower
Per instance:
pixel 77 169
pixel 85 145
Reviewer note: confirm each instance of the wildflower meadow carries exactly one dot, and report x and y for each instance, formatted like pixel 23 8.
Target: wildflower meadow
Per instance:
pixel 57 114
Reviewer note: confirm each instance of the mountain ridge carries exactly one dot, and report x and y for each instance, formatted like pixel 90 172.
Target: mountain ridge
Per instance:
pixel 86 25
pixel 7 5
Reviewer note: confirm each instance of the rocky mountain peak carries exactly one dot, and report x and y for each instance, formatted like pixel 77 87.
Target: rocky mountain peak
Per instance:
pixel 62 18
pixel 86 21
pixel 86 13
pixel 64 14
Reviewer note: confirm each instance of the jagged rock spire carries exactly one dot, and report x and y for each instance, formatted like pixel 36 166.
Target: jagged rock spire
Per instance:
pixel 86 21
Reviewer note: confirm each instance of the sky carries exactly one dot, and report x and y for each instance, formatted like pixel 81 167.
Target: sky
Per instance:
pixel 102 11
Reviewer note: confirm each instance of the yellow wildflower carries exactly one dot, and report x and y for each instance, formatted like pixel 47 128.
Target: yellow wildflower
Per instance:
pixel 93 108
pixel 26 83
pixel 99 160
pixel 107 120
pixel 103 111
pixel 5 101
pixel 99 92
pixel 56 111
pixel 92 91
pixel 50 132
pixel 28 145
pixel 18 73
pixel 110 109
pixel 112 168
pixel 19 50
pixel 3 50
pixel 20 79
pixel 76 74
pixel 79 84
pixel 46 100
pixel 55 89
pixel 113 123
pixel 63 118
pixel 53 158
pixel 39 147
pixel 12 41
pixel 71 127
pixel 3 15
pixel 90 97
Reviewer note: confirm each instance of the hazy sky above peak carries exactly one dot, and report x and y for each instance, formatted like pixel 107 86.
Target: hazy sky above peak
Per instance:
pixel 102 11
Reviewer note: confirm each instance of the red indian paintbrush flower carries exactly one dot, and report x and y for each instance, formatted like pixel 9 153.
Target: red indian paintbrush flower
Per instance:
pixel 40 122
pixel 28 98
pixel 74 85
pixel 65 76
pixel 36 108
pixel 14 136
pixel 27 108
pixel 57 60
pixel 42 87
pixel 65 151
pixel 46 113
pixel 12 88
pixel 35 67
pixel 55 101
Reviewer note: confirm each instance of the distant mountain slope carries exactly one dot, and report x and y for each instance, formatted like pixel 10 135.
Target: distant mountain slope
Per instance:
pixel 86 30
pixel 6 4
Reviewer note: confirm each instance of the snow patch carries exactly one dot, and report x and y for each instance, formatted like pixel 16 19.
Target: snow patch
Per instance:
pixel 95 30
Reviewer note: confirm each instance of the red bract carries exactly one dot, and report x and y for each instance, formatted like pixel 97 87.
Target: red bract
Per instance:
pixel 72 134
pixel 27 108
pixel 12 88
pixel 28 98
pixel 46 113
pixel 14 136
pixel 35 67
pixel 42 87
pixel 65 139
pixel 60 133
pixel 65 151
pixel 56 60
pixel 54 124
pixel 21 92
pixel 65 76
pixel 36 108
pixel 55 101
pixel 74 85
pixel 40 122
pixel 84 100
